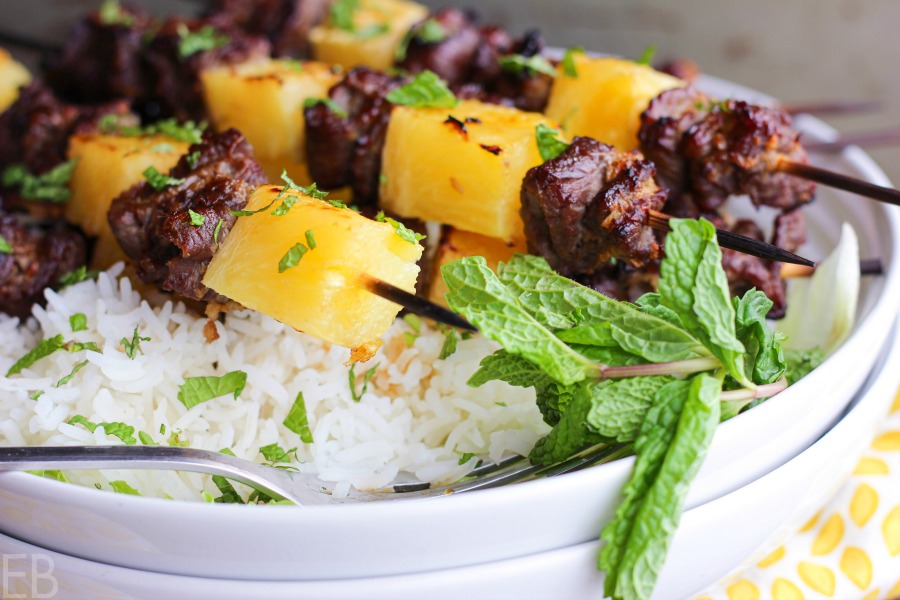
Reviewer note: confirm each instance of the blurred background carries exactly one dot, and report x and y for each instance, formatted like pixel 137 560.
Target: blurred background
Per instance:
pixel 800 51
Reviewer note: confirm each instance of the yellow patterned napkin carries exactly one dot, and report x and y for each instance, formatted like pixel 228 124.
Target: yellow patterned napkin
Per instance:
pixel 850 550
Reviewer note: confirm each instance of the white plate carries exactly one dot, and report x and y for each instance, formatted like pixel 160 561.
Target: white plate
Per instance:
pixel 710 543
pixel 390 538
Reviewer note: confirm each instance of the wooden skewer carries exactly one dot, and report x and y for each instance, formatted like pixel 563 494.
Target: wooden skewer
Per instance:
pixel 832 108
pixel 839 181
pixel 414 304
pixel 867 266
pixel 866 138
pixel 733 241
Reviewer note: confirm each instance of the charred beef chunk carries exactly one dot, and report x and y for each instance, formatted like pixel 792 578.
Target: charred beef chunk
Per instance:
pixel 715 149
pixel 469 58
pixel 346 150
pixel 178 53
pixel 35 130
pixel 590 204
pixel 154 228
pixel 101 60
pixel 790 230
pixel 682 68
pixel 746 272
pixel 622 281
pixel 285 23
pixel 41 254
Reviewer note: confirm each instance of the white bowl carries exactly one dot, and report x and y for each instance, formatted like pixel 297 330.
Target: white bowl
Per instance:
pixel 710 543
pixel 390 538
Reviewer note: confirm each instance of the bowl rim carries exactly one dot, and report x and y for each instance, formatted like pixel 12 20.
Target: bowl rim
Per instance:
pixel 864 331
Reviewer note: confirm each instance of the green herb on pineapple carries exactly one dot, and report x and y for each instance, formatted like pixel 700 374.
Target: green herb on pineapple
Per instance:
pixel 548 142
pixel 403 232
pixel 427 90
pixel 526 66
pixel 158 181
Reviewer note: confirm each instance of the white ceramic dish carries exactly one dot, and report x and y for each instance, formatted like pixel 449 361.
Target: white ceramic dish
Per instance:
pixel 330 542
pixel 709 544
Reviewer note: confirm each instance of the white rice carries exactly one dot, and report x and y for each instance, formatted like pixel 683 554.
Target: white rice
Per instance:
pixel 416 419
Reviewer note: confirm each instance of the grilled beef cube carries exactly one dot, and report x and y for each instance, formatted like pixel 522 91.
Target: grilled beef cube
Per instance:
pixel 713 149
pixel 621 281
pixel 746 272
pixel 177 54
pixel 35 130
pixel 154 226
pixel 101 59
pixel 468 57
pixel 590 204
pixel 40 255
pixel 346 150
pixel 285 23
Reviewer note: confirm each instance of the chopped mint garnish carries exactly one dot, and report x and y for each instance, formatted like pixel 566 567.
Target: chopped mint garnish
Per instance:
pixel 5 248
pixel 196 390
pixel 78 322
pixel 78 275
pixel 133 346
pixel 406 234
pixel 297 420
pixel 111 13
pixel 47 347
pixel 549 145
pixel 647 55
pixel 188 131
pixel 333 106
pixel 52 186
pixel 120 487
pixel 197 220
pixel 341 14
pixel 292 257
pixel 427 90
pixel 568 61
pixel 310 239
pixel 203 40
pixel 365 386
pixel 193 159
pixel 71 374
pixel 147 439
pixel 115 428
pixel 273 453
pixel 159 181
pixel 526 66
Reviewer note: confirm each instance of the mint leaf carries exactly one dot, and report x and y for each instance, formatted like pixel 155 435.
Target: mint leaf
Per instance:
pixel 333 106
pixel 133 346
pixel 114 428
pixel 229 494
pixel 196 390
pixel 799 363
pixel 78 322
pixel 188 131
pixel 298 421
pixel 476 293
pixel 111 13
pixel 45 348
pixel 514 370
pixel 273 453
pixel 568 61
pixel 121 487
pixel 670 447
pixel 403 232
pixel 197 219
pixel 203 40
pixel 71 374
pixel 647 55
pixel 526 65
pixel 427 90
pixel 451 341
pixel 310 239
pixel 292 257
pixel 158 181
pixel 549 145
pixel 765 356
pixel 147 439
pixel 619 407
pixel 693 284
pixel 341 14
pixel 431 32
pixel 78 275
pixel 52 186
pixel 367 376
pixel 5 248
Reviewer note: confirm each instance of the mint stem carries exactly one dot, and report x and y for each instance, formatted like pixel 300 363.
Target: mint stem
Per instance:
pixel 678 367
pixel 761 391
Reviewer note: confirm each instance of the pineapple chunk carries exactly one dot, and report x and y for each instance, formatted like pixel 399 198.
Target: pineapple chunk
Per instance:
pixel 107 166
pixel 322 293
pixel 13 75
pixel 434 170
pixel 456 244
pixel 606 98
pixel 379 28
pixel 264 101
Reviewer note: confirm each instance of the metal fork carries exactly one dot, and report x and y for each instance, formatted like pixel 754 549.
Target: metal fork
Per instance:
pixel 280 483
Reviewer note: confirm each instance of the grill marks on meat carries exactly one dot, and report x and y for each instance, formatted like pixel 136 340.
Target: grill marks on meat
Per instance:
pixel 590 204
pixel 35 129
pixel 173 86
pixel 154 227
pixel 468 59
pixel 101 61
pixel 344 151
pixel 285 23
pixel 41 254
pixel 712 150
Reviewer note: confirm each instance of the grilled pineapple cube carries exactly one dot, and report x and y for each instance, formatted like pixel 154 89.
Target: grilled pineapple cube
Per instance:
pixel 13 75
pixel 456 244
pixel 461 166
pixel 605 98
pixel 107 166
pixel 304 268
pixel 379 27
pixel 264 101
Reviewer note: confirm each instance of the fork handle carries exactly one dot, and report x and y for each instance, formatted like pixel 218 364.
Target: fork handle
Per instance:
pixel 275 482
